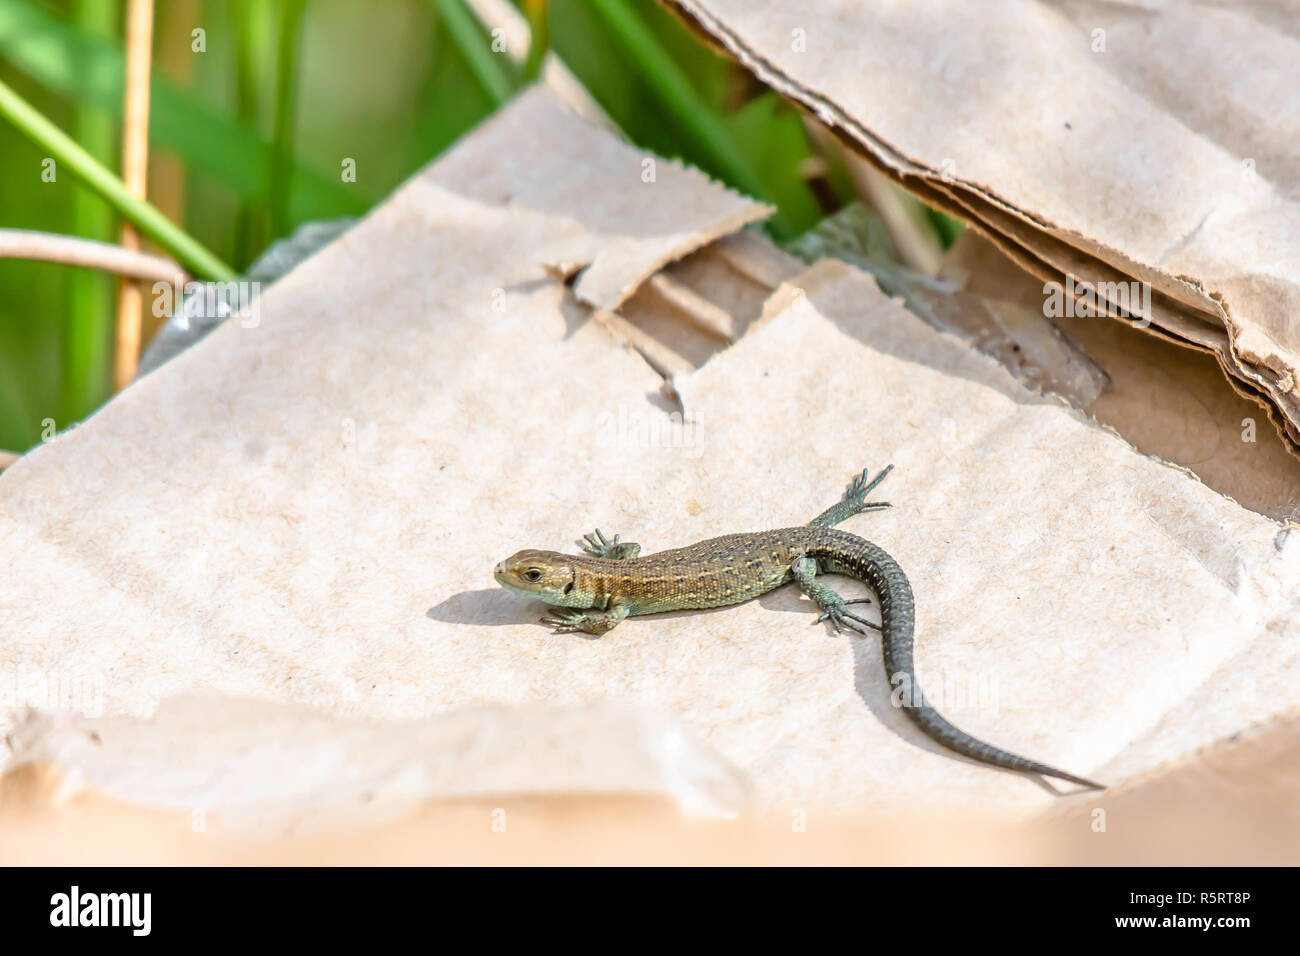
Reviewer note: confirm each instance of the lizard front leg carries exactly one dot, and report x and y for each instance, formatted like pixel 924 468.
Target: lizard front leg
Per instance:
pixel 833 606
pixel 602 547
pixel 854 500
pixel 588 620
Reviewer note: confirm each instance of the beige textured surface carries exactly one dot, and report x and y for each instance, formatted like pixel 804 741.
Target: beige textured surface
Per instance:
pixel 309 510
pixel 1096 590
pixel 264 769
pixel 1156 139
pixel 1231 804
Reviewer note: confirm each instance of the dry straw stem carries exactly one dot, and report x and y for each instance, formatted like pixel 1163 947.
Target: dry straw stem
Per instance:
pixel 90 254
pixel 918 246
pixel 135 173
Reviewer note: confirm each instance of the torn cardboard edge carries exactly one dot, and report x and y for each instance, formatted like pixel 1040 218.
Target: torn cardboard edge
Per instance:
pixel 1235 797
pixel 605 274
pixel 608 279
pixel 1167 320
pixel 1278 737
pixel 1047 356
pixel 606 292
pixel 225 756
pixel 1235 794
pixel 1268 380
pixel 700 304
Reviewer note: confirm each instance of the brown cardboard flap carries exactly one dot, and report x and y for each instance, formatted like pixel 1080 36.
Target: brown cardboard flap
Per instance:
pixel 1157 143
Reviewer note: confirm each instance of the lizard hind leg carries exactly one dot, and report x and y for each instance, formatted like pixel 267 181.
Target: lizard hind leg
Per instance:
pixel 833 606
pixel 854 500
pixel 602 547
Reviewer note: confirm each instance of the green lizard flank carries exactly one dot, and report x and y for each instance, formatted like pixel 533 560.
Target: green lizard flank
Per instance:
pixel 596 591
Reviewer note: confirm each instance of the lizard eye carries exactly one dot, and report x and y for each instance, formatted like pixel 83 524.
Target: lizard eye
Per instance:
pixel 532 574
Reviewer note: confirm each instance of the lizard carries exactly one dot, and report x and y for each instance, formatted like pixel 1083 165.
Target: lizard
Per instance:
pixel 596 591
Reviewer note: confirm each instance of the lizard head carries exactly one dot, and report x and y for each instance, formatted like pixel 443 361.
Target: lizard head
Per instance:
pixel 545 575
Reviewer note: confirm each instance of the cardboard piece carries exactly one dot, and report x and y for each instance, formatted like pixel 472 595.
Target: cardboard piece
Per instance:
pixel 1228 805
pixel 1109 142
pixel 1170 402
pixel 224 760
pixel 307 507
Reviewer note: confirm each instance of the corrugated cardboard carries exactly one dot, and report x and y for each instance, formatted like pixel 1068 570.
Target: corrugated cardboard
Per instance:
pixel 1106 141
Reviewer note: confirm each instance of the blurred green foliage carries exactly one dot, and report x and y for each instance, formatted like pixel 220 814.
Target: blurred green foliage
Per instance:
pixel 252 117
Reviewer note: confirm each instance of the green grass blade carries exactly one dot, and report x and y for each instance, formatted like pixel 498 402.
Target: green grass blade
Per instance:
pixel 489 69
pixel 947 228
pixel 675 93
pixel 252 46
pixel 21 429
pixel 145 217
pixel 87 341
pixel 450 101
pixel 771 132
pixel 538 15
pixel 60 57
pixel 286 102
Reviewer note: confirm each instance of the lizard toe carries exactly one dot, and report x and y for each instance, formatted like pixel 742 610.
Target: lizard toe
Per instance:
pixel 862 620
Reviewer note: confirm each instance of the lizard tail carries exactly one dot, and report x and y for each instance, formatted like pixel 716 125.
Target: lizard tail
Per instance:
pixel 897 647
pixel 848 554
pixel 937 728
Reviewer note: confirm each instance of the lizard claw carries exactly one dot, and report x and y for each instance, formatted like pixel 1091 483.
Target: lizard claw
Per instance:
pixel 597 543
pixel 860 487
pixel 589 620
pixel 602 547
pixel 565 619
pixel 841 618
